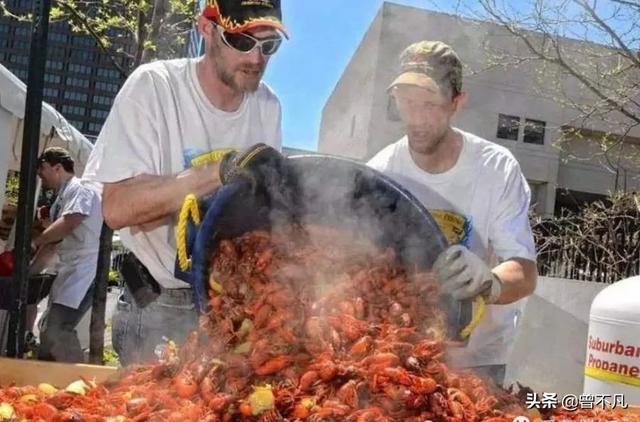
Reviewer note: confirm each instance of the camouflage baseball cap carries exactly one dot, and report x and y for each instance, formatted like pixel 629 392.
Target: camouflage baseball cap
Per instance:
pixel 426 63
pixel 240 15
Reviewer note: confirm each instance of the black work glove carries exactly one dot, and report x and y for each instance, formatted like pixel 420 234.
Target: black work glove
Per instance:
pixel 260 165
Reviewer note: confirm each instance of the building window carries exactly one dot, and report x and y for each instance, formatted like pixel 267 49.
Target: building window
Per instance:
pixel 79 68
pixel 99 114
pixel 17 59
pixel 75 110
pixel 58 52
pixel 20 73
pixel 508 127
pixel 82 55
pixel 57 37
pixel 534 131
pixel 52 79
pixel 4 28
pixel 55 64
pixel 84 41
pixel 94 127
pixel 21 45
pixel 104 86
pixel 108 73
pixel 102 100
pixel 22 31
pixel 50 92
pixel 75 96
pixel 82 83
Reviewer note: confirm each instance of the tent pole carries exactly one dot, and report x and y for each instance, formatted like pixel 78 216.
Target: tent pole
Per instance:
pixel 28 182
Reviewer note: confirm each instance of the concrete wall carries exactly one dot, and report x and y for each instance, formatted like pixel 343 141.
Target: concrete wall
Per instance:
pixel 550 345
pixel 344 128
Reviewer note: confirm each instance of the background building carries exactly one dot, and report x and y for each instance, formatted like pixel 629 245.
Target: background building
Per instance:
pixel 80 80
pixel 506 106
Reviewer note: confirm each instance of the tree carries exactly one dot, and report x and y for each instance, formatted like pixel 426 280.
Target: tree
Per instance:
pixel 591 46
pixel 130 32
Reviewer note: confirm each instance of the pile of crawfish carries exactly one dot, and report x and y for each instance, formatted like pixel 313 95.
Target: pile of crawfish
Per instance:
pixel 306 325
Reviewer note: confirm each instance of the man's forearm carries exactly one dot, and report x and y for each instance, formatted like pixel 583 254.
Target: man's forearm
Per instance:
pixel 519 277
pixel 147 198
pixel 59 229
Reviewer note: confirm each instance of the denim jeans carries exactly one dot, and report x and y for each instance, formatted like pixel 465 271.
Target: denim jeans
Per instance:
pixel 136 332
pixel 59 338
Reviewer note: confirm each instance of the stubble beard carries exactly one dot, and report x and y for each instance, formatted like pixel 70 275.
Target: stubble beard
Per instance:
pixel 428 148
pixel 229 77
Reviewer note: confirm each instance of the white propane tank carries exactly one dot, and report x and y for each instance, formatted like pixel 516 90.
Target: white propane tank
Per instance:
pixel 612 365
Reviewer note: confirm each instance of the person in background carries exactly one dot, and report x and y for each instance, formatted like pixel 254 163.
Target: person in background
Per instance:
pixel 170 126
pixel 74 229
pixel 477 194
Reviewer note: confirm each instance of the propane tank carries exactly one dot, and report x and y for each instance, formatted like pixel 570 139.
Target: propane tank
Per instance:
pixel 612 365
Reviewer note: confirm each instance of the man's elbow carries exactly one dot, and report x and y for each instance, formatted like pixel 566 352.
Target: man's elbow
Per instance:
pixel 112 212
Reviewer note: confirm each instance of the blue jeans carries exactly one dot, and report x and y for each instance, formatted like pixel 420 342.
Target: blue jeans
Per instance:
pixel 137 331
pixel 59 338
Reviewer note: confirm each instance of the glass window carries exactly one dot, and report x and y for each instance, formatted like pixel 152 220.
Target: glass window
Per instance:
pixel 75 96
pixel 99 114
pixel 108 73
pixel 83 83
pixel 85 41
pixel 508 127
pixel 105 86
pixel 18 59
pixel 22 31
pixel 21 45
pixel 79 68
pixel 57 37
pixel 55 64
pixel 59 52
pixel 82 55
pixel 50 92
pixel 53 79
pixel 534 131
pixel 95 127
pixel 71 109
pixel 102 100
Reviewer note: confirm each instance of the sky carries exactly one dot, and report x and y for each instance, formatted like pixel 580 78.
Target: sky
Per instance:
pixel 323 37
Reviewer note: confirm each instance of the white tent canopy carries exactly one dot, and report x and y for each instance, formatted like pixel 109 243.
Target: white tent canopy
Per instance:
pixel 54 130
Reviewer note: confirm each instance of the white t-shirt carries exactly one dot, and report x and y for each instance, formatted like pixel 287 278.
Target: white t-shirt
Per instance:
pixel 481 203
pixel 162 123
pixel 78 251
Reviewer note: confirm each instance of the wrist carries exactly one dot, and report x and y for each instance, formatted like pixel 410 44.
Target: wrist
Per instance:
pixel 493 292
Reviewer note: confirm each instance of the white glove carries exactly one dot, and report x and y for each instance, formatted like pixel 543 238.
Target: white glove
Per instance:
pixel 464 275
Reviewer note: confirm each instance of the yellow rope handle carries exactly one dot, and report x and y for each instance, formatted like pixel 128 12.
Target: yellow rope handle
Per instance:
pixel 479 309
pixel 189 209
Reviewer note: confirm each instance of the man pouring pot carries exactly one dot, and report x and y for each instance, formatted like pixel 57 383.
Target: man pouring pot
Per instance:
pixel 475 191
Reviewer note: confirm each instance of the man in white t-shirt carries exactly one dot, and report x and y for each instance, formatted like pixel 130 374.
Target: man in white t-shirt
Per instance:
pixel 171 124
pixel 76 221
pixel 475 191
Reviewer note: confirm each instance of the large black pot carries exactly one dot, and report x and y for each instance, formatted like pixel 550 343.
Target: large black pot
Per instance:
pixel 332 191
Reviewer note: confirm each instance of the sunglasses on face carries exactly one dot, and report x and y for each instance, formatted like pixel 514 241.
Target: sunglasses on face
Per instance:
pixel 245 43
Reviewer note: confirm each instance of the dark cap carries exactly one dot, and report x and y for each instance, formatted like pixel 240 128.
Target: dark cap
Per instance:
pixel 427 62
pixel 241 15
pixel 55 155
